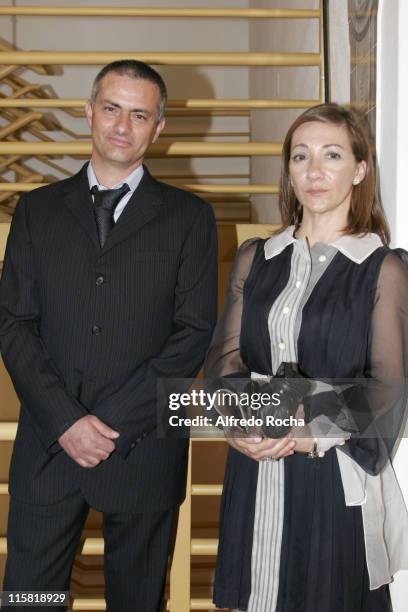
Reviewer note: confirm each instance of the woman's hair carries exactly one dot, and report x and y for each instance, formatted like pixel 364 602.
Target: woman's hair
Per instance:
pixel 366 213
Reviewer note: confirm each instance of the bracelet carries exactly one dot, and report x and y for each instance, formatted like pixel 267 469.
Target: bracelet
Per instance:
pixel 315 453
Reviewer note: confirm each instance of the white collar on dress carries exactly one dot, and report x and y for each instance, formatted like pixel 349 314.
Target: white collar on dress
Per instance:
pixel 356 248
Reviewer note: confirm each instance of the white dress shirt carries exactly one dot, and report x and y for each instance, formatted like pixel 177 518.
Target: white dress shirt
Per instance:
pixel 132 180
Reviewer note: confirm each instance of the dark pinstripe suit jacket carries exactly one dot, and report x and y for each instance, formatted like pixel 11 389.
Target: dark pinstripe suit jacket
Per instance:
pixel 75 345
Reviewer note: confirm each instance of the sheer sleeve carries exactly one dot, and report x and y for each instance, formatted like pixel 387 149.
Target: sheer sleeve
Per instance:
pixel 389 338
pixel 375 408
pixel 224 357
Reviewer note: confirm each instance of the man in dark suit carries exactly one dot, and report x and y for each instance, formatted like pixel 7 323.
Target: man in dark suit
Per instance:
pixel 108 285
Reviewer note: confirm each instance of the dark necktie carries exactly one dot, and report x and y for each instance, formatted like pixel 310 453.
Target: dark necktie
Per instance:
pixel 105 202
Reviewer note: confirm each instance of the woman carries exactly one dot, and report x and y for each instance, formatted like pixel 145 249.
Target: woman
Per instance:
pixel 314 530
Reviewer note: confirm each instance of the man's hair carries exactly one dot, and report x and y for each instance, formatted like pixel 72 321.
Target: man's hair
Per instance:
pixel 366 213
pixel 136 70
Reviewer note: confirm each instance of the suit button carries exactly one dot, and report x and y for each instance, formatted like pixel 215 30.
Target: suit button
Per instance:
pixel 100 280
pixel 96 330
pixel 133 445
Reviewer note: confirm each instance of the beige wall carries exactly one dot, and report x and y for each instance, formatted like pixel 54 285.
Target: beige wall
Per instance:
pixel 339 52
pixel 278 35
pixel 6 24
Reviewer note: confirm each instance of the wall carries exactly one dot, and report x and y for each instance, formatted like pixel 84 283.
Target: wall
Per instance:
pixel 392 137
pixel 6 23
pixel 276 82
pixel 392 123
pixel 339 52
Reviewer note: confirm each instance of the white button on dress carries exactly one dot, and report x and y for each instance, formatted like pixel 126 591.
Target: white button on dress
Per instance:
pixel 286 310
pixel 282 346
pixel 322 258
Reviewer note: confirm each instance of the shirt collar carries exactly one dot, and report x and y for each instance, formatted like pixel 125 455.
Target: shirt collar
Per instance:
pixel 132 180
pixel 356 248
pixel 276 244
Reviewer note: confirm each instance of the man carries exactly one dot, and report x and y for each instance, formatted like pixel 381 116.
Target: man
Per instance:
pixel 108 286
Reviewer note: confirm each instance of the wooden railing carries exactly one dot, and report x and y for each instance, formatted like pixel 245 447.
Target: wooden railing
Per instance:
pixel 229 13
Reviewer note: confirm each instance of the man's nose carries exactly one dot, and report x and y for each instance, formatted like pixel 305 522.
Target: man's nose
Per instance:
pixel 122 124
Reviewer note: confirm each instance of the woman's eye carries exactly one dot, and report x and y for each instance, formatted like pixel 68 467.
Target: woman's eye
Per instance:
pixel 298 157
pixel 334 155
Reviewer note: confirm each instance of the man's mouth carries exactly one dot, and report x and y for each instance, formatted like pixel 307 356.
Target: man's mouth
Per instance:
pixel 120 142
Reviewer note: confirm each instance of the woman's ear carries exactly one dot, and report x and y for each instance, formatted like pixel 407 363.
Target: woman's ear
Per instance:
pixel 360 173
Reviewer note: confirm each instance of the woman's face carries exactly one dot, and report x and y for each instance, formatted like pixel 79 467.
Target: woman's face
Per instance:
pixel 323 168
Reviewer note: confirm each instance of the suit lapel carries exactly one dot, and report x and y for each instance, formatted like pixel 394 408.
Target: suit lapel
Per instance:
pixel 143 206
pixel 78 199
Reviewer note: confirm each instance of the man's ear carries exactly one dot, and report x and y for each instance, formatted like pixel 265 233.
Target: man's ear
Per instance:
pixel 88 113
pixel 159 129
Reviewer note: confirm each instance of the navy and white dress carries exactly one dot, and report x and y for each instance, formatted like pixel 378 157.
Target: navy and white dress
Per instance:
pixel 290 541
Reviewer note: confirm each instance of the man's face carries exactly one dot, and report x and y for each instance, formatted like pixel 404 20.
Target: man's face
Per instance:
pixel 123 120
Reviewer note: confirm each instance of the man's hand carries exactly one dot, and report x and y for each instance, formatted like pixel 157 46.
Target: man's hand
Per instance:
pixel 88 441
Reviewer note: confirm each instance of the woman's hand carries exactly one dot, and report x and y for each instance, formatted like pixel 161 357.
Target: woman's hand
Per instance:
pixel 303 439
pixel 258 448
pixel 298 440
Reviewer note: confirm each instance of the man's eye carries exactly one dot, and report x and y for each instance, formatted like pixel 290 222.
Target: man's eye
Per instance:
pixel 109 108
pixel 139 117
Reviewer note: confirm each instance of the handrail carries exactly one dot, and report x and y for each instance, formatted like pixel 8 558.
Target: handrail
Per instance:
pixel 7 431
pixel 198 546
pixel 159 149
pixel 5 47
pixel 19 123
pixel 6 70
pixel 77 11
pixel 204 546
pixel 207 489
pixel 194 187
pixel 95 546
pixel 196 104
pixel 176 58
pixel 25 90
pixel 85 603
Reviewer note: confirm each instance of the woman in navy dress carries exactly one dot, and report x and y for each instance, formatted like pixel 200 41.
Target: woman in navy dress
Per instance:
pixel 314 521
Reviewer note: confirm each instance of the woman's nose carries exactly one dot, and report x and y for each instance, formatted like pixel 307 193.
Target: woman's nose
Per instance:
pixel 315 168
